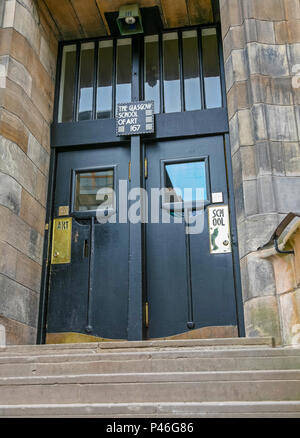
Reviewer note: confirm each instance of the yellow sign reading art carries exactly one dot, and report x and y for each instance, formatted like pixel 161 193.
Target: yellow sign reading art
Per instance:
pixel 61 241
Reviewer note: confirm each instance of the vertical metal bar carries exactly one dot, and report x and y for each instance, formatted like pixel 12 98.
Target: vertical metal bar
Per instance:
pixel 95 84
pixel 76 85
pixel 114 77
pixel 89 327
pixel 57 82
pixel 135 83
pixel 135 300
pixel 201 72
pixel 142 68
pixel 42 320
pixel 221 64
pixel 234 238
pixel 161 73
pixel 190 322
pixel 181 71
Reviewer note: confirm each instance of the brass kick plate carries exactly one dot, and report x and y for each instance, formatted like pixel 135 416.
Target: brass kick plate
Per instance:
pixel 61 241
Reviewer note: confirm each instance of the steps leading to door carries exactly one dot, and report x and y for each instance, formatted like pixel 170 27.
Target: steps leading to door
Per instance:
pixel 187 378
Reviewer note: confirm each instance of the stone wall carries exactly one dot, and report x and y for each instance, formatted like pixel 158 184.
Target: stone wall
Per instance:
pixel 28 50
pixel 261 42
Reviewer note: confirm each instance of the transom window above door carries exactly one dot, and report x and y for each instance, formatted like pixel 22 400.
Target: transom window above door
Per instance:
pixel 180 71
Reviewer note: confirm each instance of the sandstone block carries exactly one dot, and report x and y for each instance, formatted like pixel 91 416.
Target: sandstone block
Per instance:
pixel 291 153
pixel 18 302
pixel 290 315
pixel 32 212
pixel 9 13
pixel 285 128
pixel 18 333
pixel 13 128
pixel 8 260
pixel 20 235
pixel 268 59
pixel 38 154
pixel 26 25
pixel 10 193
pixel 2 336
pixel 28 273
pixel 257 277
pixel 262 317
pixel 284 271
pixel 286 191
pixel 250 197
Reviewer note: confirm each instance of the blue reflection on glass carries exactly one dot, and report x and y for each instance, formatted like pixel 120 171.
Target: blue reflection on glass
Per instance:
pixel 187 176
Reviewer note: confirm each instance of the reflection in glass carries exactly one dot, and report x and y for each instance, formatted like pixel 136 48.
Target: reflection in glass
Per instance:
pixel 67 84
pixel 211 69
pixel 182 176
pixel 152 78
pixel 124 69
pixel 191 70
pixel 105 75
pixel 87 186
pixel 171 73
pixel 86 78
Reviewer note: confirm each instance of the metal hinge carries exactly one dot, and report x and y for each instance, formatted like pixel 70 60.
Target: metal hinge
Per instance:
pixel 146 168
pixel 46 227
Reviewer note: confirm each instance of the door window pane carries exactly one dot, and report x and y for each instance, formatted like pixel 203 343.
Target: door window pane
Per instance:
pixel 152 76
pixel 211 69
pixel 182 176
pixel 87 186
pixel 191 70
pixel 67 84
pixel 86 80
pixel 124 69
pixel 105 80
pixel 171 73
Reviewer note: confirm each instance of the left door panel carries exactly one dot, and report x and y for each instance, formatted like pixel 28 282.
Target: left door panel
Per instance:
pixel 88 292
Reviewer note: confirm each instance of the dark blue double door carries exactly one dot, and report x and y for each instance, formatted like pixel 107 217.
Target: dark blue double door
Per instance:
pixel 186 288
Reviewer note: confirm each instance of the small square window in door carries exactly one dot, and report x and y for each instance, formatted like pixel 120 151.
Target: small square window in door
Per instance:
pixel 88 184
pixel 185 182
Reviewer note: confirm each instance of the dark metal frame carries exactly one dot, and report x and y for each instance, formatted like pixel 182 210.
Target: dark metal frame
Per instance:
pixel 101 133
pixel 96 42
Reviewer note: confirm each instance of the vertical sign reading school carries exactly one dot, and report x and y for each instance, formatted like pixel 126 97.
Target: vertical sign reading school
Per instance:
pixel 135 118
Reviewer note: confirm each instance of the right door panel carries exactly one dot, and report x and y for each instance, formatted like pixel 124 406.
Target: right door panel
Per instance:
pixel 189 289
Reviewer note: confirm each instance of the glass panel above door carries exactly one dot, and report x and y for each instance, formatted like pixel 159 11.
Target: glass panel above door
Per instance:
pixel 67 84
pixel 180 71
pixel 211 68
pixel 105 80
pixel 86 81
pixel 191 70
pixel 124 71
pixel 152 71
pixel 171 73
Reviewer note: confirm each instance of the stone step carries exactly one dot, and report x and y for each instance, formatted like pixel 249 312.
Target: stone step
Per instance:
pixel 165 362
pixel 138 346
pixel 174 353
pixel 289 409
pixel 242 386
